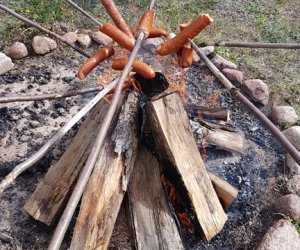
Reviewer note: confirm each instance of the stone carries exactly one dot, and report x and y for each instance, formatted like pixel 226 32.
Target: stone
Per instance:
pixel 293 135
pixel 6 63
pixel 43 45
pixel 257 90
pixel 293 185
pixel 234 76
pixel 281 236
pixel 222 63
pixel 284 116
pixel 151 43
pixel 206 50
pixel 289 205
pixel 17 51
pixel 71 37
pixel 293 166
pixel 34 124
pixel 101 38
pixel 84 40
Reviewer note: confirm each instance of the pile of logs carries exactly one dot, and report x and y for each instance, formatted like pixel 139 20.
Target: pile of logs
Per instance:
pixel 126 163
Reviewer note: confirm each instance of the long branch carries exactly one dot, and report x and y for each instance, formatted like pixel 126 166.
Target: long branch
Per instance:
pixel 39 27
pixel 19 169
pixel 8 99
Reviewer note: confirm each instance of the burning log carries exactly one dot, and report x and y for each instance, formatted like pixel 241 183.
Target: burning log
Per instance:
pixel 231 141
pixel 50 196
pixel 108 182
pixel 175 143
pixel 154 227
pixel 218 114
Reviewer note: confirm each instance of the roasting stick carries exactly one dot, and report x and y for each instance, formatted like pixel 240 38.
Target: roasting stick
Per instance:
pixel 39 27
pixel 252 45
pixel 76 7
pixel 28 98
pixel 66 217
pixel 19 169
pixel 259 115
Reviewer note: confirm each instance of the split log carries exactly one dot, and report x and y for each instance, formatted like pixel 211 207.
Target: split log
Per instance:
pixel 231 141
pixel 52 193
pixel 154 227
pixel 105 191
pixel 226 192
pixel 176 144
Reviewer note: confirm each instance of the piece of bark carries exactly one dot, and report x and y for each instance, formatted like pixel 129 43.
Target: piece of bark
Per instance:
pixel 226 192
pixel 154 226
pixel 104 193
pixel 231 141
pixel 176 144
pixel 52 193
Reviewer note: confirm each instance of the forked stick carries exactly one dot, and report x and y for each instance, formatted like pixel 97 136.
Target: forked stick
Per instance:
pixel 19 169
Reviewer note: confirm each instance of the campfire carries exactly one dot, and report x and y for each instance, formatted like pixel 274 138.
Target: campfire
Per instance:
pixel 145 152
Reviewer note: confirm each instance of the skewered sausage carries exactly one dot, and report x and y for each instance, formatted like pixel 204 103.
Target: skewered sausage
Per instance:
pixel 146 22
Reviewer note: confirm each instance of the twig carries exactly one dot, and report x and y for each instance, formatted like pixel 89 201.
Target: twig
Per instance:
pixel 252 45
pixel 5 237
pixel 280 137
pixel 19 169
pixel 49 96
pixel 39 27
pixel 75 6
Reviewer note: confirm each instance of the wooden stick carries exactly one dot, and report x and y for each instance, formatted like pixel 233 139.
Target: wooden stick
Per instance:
pixel 19 169
pixel 95 222
pixel 51 194
pixel 154 227
pixel 80 10
pixel 231 141
pixel 39 27
pixel 175 143
pixel 210 113
pixel 254 45
pixel 5 237
pixel 28 98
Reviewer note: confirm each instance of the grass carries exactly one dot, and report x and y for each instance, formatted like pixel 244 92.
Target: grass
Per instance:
pixel 297 225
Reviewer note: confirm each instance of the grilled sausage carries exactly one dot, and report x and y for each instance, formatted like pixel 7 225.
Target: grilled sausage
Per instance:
pixel 94 60
pixel 138 66
pixel 181 39
pixel 146 22
pixel 154 32
pixel 118 36
pixel 115 15
pixel 187 56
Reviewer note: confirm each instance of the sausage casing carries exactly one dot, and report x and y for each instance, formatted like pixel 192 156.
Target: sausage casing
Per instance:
pixel 94 60
pixel 138 66
pixel 118 36
pixel 146 22
pixel 181 38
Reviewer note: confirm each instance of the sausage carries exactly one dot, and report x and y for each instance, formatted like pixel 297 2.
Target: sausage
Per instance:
pixel 115 15
pixel 138 66
pixel 94 60
pixel 118 36
pixel 146 22
pixel 187 56
pixel 154 32
pixel 181 39
pixel 157 32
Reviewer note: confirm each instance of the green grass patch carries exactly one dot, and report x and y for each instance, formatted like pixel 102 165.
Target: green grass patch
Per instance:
pixel 297 225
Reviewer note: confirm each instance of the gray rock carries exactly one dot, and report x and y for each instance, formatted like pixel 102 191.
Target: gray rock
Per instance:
pixel 284 115
pixel 257 90
pixel 281 236
pixel 289 205
pixel 34 124
pixel 17 51
pixel 222 63
pixel 293 134
pixel 206 50
pixel 71 37
pixel 170 36
pixel 233 75
pixel 293 166
pixel 101 38
pixel 152 42
pixel 84 40
pixel 43 45
pixel 293 185
pixel 6 63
